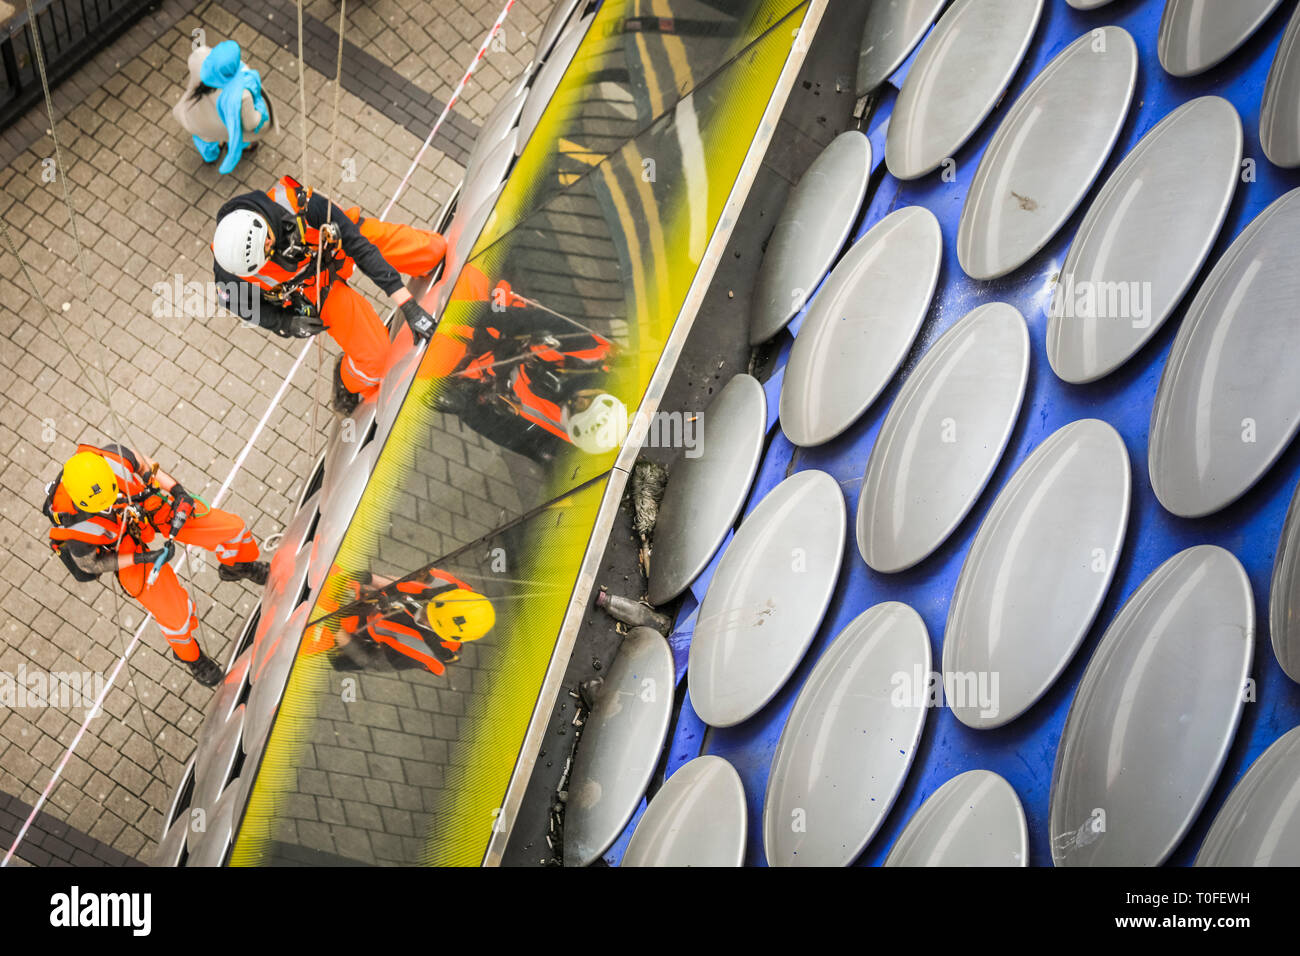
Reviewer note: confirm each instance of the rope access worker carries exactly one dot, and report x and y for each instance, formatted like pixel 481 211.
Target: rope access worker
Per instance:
pixel 534 391
pixel 110 505
pixel 415 623
pixel 271 240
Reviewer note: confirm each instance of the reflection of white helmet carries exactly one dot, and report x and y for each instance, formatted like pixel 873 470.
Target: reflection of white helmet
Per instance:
pixel 599 427
pixel 240 242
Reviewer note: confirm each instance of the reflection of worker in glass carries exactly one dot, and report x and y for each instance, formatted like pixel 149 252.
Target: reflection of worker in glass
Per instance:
pixel 531 381
pixel 420 623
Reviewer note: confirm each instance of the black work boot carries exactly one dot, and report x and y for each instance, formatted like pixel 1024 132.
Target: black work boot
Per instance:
pixel 206 671
pixel 344 402
pixel 255 571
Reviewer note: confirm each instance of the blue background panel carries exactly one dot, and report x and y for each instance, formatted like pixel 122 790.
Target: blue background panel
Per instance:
pixel 1025 750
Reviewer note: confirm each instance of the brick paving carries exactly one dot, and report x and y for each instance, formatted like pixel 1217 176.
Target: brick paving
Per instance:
pixel 189 391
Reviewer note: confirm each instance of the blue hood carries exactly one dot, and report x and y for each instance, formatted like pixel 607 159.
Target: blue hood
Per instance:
pixel 221 65
pixel 223 70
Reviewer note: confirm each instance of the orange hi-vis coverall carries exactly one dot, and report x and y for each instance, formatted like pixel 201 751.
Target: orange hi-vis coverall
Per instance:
pixel 147 516
pixel 401 626
pixel 382 250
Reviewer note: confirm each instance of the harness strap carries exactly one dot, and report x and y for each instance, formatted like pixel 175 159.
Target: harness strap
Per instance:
pixel 294 198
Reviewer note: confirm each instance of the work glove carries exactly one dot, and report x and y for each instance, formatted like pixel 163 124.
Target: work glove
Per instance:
pixel 383 600
pixel 158 556
pixel 182 509
pixel 387 602
pixel 304 325
pixel 421 322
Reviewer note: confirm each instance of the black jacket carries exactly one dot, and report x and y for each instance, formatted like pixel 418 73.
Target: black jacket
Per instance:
pixel 360 249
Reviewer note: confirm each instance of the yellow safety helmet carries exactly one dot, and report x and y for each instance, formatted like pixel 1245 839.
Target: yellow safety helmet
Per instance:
pixel 90 482
pixel 460 615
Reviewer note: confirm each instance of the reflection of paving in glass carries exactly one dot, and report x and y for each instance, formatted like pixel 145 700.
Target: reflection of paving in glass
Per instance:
pixel 628 75
pixel 374 769
pixel 373 772
pixel 462 486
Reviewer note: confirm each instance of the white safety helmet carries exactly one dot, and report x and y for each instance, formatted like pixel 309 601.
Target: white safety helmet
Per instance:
pixel 598 428
pixel 240 242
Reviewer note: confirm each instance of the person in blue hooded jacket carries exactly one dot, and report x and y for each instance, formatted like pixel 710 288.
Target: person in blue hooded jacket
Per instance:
pixel 223 104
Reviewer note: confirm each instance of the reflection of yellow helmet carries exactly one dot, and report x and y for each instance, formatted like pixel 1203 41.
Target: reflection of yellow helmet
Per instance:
pixel 460 615
pixel 90 482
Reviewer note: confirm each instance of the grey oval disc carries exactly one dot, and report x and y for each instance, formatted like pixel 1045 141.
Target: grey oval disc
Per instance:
pixel 555 23
pixel 173 846
pixel 698 818
pixel 295 532
pixel 1037 572
pixel 1284 594
pixel 620 746
pixel 482 181
pixel 348 438
pixel 254 747
pixel 271 677
pixel 1231 367
pixel 849 742
pixel 1154 715
pixel 336 514
pixel 757 618
pixel 548 79
pixel 246 633
pixel 315 477
pixel 224 701
pixel 975 819
pixel 462 237
pixel 392 393
pixel 861 325
pixel 892 30
pixel 943 438
pixel 1279 111
pixel 186 780
pixel 281 597
pixel 705 493
pixel 214 843
pixel 1144 239
pixel 1197 34
pixel 502 120
pixel 1259 823
pixel 955 81
pixel 814 225
pixel 1044 157
pixel 212 767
